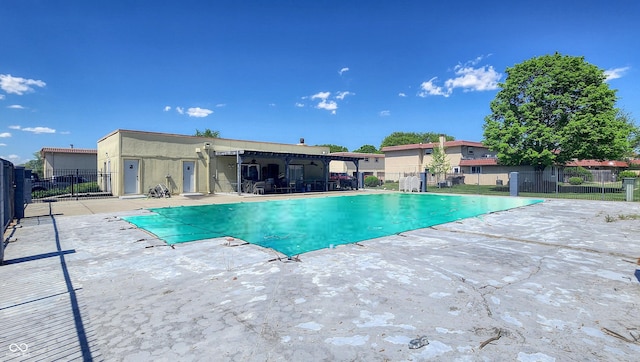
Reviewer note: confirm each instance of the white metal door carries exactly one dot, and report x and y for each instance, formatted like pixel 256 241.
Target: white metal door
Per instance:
pixel 108 188
pixel 188 177
pixel 131 181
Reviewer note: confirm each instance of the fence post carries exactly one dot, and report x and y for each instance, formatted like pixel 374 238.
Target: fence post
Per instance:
pixel 513 184
pixel 76 184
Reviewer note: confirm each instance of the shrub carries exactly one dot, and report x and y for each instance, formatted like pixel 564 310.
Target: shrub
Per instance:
pixel 371 181
pixel 579 171
pixel 575 180
pixel 624 174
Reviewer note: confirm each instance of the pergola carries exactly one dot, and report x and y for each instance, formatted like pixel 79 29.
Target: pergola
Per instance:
pixel 242 155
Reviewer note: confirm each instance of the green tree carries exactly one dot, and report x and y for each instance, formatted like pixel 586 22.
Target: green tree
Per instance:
pixel 207 133
pixel 410 138
pixel 367 149
pixel 335 148
pixel 634 135
pixel 36 165
pixel 439 164
pixel 552 109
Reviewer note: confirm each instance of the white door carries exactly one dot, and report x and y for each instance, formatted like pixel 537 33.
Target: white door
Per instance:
pixel 131 180
pixel 188 177
pixel 108 167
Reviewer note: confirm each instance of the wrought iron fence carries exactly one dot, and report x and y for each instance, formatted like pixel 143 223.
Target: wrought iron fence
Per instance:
pixel 595 185
pixel 71 184
pixel 7 193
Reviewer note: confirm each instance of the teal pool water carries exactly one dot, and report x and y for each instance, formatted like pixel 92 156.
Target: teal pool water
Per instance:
pixel 300 225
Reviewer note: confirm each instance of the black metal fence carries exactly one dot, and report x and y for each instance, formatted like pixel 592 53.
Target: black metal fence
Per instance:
pixel 70 184
pixel 602 185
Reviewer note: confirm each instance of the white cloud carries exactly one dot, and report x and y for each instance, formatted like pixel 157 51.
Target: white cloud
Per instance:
pixel 17 85
pixel 167 108
pixel 65 132
pixel 180 110
pixel 468 78
pixel 341 71
pixel 430 89
pixel 474 79
pixel 328 105
pixel 272 104
pixel 325 102
pixel 198 112
pixel 220 105
pixel 299 105
pixel 1 96
pixel 3 144
pixel 321 95
pixel 15 106
pixel 615 73
pixel 38 130
pixel 5 135
pixel 341 95
pixel 402 94
pixel 14 127
pixel 15 159
pixel 385 113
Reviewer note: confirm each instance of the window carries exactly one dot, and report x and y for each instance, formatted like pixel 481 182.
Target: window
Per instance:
pixel 470 151
pixel 376 159
pixel 250 172
pixel 456 169
pixel 366 159
pixel 476 169
pixel 296 172
pixel 428 151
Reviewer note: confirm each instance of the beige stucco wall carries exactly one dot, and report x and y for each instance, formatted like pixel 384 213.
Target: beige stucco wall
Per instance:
pixel 413 161
pixel 56 163
pixel 399 163
pixel 490 174
pixel 160 155
pixel 368 165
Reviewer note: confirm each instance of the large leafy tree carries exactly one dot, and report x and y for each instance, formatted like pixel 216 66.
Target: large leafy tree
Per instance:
pixel 335 148
pixel 410 138
pixel 367 149
pixel 552 109
pixel 634 135
pixel 36 165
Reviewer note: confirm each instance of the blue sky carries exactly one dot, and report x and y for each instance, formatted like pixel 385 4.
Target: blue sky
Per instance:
pixel 339 72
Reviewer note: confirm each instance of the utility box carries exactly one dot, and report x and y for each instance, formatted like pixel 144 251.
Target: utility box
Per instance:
pixel 629 184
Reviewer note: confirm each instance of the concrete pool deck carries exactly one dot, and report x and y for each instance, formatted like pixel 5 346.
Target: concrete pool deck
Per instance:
pixel 551 281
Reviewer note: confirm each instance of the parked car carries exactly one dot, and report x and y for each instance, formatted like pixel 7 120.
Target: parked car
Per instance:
pixel 344 180
pixel 55 182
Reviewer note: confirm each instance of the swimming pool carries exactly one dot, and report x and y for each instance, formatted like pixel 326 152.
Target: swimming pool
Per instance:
pixel 300 225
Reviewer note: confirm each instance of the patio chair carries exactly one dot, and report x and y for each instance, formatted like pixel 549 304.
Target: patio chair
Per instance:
pixel 259 187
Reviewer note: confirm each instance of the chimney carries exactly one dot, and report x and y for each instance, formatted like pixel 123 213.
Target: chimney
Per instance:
pixel 301 141
pixel 442 141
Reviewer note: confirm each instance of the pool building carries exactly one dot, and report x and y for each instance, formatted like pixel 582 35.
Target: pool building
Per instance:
pixel 131 162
